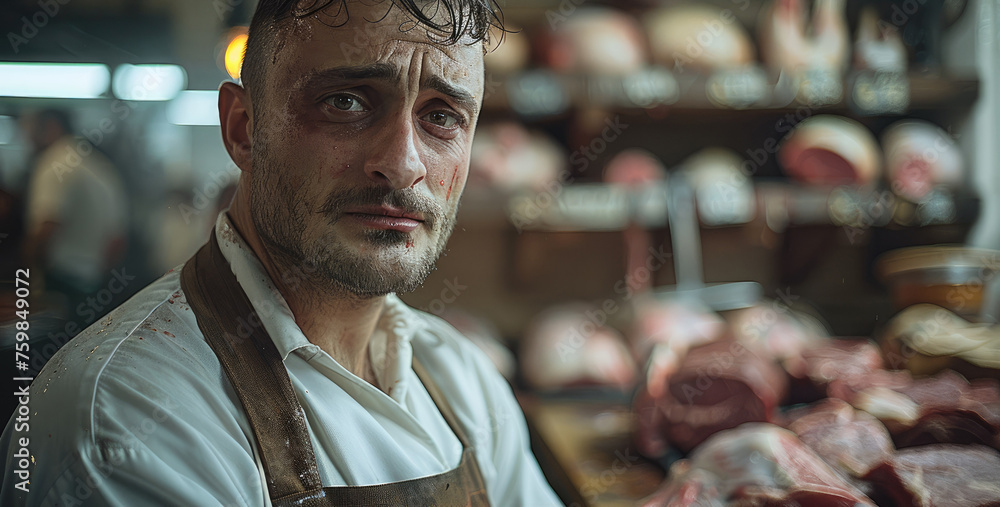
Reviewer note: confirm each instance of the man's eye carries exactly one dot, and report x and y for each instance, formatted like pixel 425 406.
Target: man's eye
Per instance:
pixel 345 102
pixel 442 119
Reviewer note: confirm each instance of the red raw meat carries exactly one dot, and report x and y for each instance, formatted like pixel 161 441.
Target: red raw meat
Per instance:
pixel 941 475
pixel 850 440
pixel 718 386
pixel 944 408
pixel 842 359
pixel 756 464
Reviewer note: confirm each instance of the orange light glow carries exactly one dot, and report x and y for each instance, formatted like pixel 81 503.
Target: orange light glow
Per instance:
pixel 234 54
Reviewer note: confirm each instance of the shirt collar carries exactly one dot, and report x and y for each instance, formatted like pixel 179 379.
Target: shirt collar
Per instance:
pixel 390 345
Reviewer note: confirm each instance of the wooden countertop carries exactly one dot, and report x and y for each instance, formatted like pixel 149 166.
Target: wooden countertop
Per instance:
pixel 584 447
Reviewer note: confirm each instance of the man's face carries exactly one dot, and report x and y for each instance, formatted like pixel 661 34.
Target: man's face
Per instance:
pixel 361 148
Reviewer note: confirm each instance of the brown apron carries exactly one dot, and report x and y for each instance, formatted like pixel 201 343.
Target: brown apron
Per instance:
pixel 255 369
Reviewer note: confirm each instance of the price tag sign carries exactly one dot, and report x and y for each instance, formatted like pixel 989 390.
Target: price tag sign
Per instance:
pixel 820 87
pixel 581 207
pixel 537 93
pixel 737 88
pixel 650 88
pixel 875 93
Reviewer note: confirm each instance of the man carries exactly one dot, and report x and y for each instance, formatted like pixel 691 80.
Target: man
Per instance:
pixel 76 212
pixel 278 367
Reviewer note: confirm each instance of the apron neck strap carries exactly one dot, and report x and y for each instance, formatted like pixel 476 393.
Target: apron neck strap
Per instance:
pixel 255 369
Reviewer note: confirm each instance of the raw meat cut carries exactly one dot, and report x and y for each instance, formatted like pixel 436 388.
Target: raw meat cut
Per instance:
pixel 942 475
pixel 786 44
pixel 831 150
pixel 850 440
pixel 563 347
pixel 697 36
pixel 945 408
pixel 595 41
pixel 920 156
pixel 841 359
pixel 756 464
pixel 782 334
pixel 718 386
pixel 507 156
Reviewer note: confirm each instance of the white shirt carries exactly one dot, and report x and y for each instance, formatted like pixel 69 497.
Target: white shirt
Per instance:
pixel 136 410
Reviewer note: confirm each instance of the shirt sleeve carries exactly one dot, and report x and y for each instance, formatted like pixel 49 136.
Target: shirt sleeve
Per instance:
pixel 519 480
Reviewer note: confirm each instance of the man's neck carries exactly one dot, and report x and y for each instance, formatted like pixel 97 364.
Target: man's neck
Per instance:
pixel 342 325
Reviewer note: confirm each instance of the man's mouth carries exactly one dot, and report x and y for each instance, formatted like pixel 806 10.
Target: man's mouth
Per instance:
pixel 385 217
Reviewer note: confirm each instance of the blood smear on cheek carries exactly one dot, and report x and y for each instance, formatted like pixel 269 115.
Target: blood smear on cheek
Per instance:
pixel 454 177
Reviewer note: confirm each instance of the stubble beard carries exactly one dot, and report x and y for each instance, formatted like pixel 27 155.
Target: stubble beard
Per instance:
pixel 327 265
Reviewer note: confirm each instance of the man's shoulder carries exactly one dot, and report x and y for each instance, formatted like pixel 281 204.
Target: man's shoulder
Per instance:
pixel 145 355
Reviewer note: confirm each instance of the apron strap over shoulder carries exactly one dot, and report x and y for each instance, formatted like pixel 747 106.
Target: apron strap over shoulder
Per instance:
pixel 263 388
pixel 255 369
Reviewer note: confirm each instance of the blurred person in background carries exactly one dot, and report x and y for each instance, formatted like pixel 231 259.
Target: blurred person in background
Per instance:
pixel 278 366
pixel 76 213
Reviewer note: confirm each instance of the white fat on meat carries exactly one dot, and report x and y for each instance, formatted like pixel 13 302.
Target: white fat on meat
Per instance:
pixel 935 331
pixel 887 405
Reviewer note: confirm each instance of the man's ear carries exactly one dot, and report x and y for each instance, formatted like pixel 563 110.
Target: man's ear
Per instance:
pixel 235 117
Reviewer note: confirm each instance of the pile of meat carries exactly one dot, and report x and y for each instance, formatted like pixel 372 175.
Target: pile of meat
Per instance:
pixel 858 434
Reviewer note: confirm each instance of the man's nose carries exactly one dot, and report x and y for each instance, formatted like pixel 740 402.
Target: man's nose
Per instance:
pixel 394 158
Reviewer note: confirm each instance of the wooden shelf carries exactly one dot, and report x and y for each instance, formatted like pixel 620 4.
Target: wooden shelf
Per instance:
pixel 595 207
pixel 540 94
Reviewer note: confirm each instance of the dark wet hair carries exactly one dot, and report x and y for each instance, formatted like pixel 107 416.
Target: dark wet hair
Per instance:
pixel 465 18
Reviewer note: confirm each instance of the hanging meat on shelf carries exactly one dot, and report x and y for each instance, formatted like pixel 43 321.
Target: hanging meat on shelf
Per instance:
pixel 506 156
pixel 700 37
pixel 878 45
pixel 831 150
pixel 919 158
pixel 564 348
pixel 724 194
pixel 593 41
pixel 755 464
pixel 790 44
